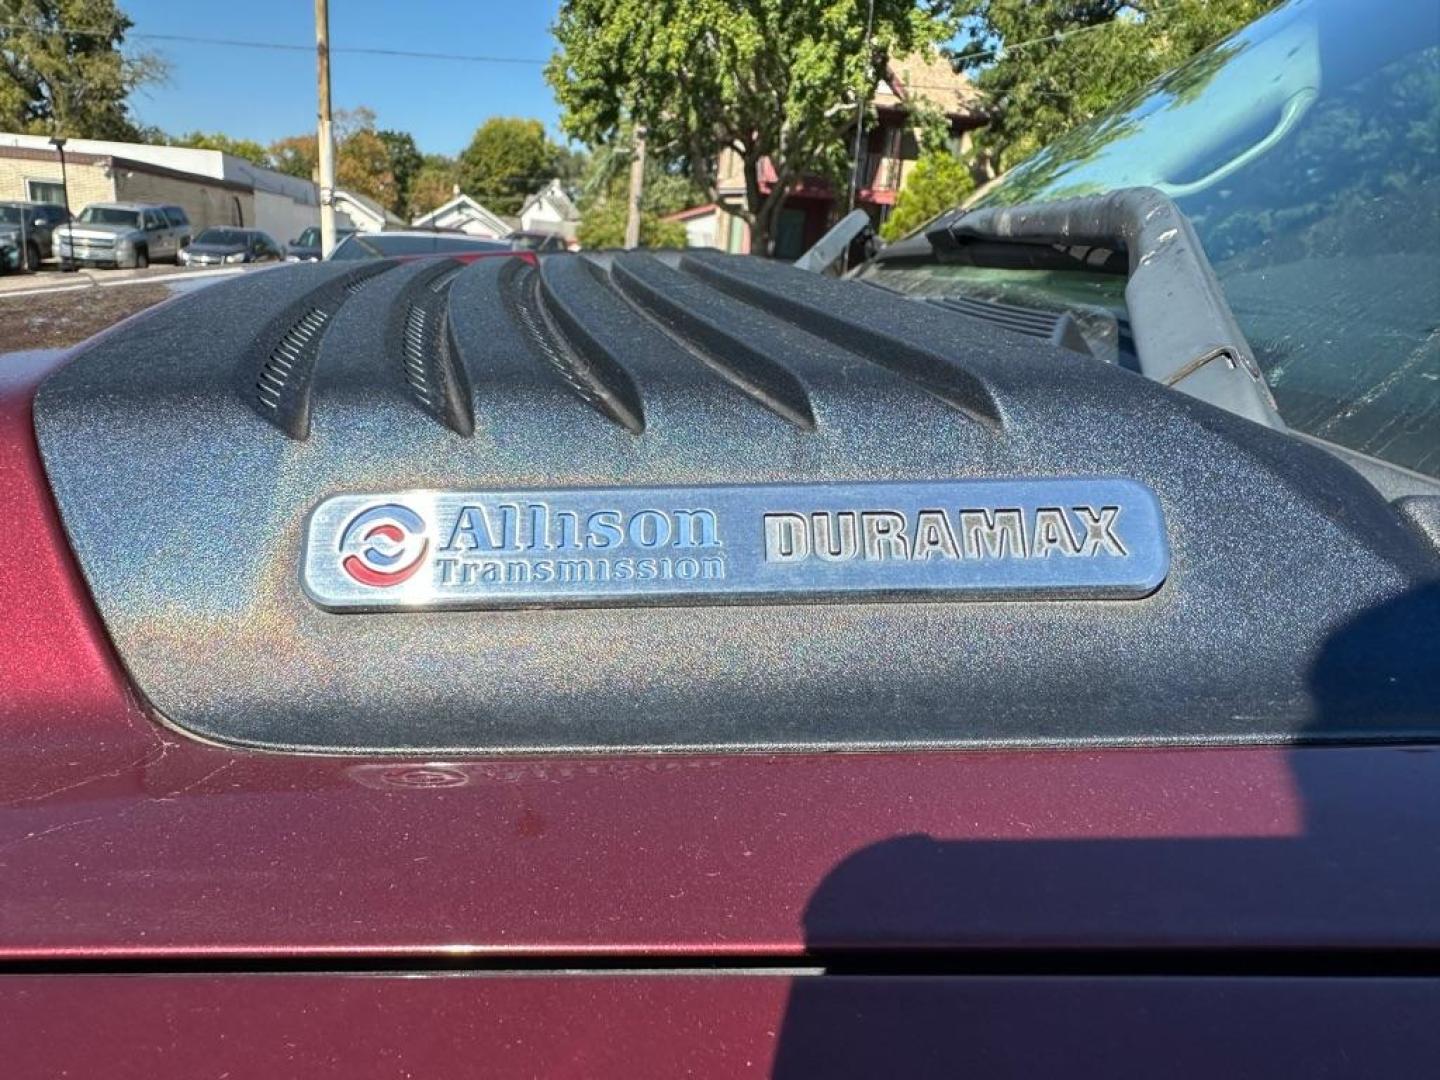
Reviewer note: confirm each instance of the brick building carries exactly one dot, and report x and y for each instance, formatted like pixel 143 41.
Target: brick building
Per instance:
pixel 35 175
pixel 215 188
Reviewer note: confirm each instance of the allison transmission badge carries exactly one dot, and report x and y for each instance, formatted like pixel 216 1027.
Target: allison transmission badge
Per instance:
pixel 984 540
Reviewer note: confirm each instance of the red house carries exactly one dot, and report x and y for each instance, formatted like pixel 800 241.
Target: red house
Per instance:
pixel 890 149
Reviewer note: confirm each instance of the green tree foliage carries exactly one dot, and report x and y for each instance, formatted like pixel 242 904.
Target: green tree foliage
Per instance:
pixel 1070 60
pixel 433 185
pixel 774 79
pixel 248 149
pixel 506 160
pixel 570 165
pixel 605 191
pixel 405 163
pixel 602 225
pixel 71 84
pixel 938 181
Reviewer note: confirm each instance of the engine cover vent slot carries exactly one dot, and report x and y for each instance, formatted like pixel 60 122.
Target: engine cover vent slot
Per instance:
pixel 420 337
pixel 592 373
pixel 277 386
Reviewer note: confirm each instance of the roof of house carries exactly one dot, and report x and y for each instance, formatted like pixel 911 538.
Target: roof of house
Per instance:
pixel 691 212
pixel 554 194
pixel 931 79
pixel 466 204
pixel 389 217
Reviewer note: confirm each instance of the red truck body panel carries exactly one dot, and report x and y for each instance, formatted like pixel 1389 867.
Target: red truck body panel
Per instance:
pixel 157 888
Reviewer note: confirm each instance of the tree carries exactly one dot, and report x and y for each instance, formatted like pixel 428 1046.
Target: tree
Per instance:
pixel 506 160
pixel 248 149
pixel 938 181
pixel 72 84
pixel 363 158
pixel 405 162
pixel 1055 78
pixel 433 185
pixel 297 155
pixel 362 165
pixel 772 80
pixel 602 225
pixel 605 200
pixel 570 165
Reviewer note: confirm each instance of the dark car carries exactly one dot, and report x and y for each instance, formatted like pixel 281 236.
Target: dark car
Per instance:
pixel 542 243
pixel 385 245
pixel 306 246
pixel 29 227
pixel 638 664
pixel 223 245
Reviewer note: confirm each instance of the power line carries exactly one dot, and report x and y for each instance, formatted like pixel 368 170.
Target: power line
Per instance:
pixel 474 58
pixel 279 46
pixel 1059 35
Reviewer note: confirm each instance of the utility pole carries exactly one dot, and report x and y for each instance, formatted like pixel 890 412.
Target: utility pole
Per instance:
pixel 637 188
pixel 860 121
pixel 323 133
pixel 860 107
pixel 58 142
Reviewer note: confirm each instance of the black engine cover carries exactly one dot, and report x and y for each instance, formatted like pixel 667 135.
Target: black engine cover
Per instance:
pixel 188 448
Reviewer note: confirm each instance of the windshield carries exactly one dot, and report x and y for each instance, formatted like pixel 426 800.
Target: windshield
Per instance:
pixel 1306 151
pixel 223 237
pixel 382 245
pixel 109 215
pixel 309 238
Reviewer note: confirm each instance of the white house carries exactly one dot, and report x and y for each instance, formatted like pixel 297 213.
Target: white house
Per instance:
pixel 283 205
pixel 363 213
pixel 705 226
pixel 464 214
pixel 550 210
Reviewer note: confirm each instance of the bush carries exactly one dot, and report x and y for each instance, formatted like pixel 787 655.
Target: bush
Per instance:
pixel 602 225
pixel 938 182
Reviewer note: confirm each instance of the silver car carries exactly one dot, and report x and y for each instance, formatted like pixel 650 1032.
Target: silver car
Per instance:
pixel 124 235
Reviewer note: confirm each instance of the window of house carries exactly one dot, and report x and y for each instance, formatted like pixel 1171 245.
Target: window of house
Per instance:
pixel 45 191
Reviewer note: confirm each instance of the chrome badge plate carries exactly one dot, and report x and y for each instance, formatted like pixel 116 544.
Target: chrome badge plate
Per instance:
pixel 1030 539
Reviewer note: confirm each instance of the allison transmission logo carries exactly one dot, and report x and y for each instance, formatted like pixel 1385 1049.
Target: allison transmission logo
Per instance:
pixel 383 545
pixel 1053 538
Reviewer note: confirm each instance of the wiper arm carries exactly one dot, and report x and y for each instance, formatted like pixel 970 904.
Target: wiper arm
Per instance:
pixel 1185 335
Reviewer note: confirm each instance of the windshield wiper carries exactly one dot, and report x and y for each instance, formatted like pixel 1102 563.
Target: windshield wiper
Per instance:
pixel 1185 335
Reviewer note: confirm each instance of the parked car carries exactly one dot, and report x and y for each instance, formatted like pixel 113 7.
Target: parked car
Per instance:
pixel 124 235
pixel 223 244
pixel 385 245
pixel 542 243
pixel 31 226
pixel 306 246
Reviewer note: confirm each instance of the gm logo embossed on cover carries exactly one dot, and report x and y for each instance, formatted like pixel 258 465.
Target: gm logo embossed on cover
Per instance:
pixel 1031 539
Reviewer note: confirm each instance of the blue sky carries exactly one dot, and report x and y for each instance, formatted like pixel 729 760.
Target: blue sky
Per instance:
pixel 263 94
